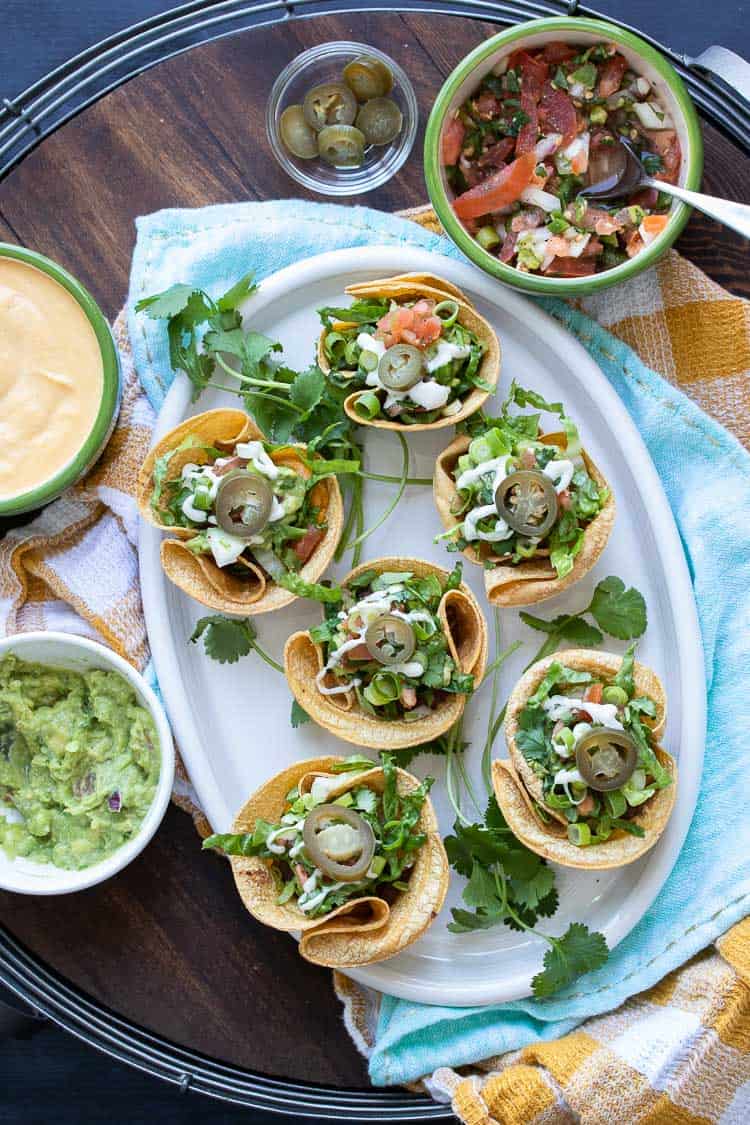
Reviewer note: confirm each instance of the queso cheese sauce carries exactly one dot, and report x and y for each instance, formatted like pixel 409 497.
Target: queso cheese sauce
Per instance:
pixel 51 377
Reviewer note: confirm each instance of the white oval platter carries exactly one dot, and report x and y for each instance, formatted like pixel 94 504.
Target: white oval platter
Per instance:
pixel 231 723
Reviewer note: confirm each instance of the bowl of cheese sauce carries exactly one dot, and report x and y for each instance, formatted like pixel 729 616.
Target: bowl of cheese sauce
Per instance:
pixel 59 380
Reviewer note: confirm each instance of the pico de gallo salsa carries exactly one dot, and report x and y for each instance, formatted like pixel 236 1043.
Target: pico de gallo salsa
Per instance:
pixel 520 149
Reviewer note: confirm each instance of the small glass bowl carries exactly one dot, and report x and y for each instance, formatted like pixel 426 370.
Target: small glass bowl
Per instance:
pixel 326 63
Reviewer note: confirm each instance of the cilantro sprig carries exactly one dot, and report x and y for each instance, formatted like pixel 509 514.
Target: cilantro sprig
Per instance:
pixel 509 884
pixel 226 639
pixel 617 611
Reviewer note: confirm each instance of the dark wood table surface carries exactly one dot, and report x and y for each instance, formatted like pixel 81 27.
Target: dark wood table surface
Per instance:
pixel 167 942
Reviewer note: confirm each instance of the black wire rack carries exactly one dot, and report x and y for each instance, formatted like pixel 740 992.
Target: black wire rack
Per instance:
pixel 47 104
pixel 25 121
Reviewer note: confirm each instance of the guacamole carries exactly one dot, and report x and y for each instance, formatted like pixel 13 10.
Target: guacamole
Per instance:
pixel 79 763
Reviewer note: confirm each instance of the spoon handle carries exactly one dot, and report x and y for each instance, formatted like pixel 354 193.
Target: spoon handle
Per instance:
pixel 734 215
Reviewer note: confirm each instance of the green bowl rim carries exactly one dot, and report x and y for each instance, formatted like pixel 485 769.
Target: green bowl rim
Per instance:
pixel 102 427
pixel 529 282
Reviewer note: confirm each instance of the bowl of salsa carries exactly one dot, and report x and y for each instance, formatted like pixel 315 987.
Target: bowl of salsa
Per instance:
pixel 525 123
pixel 86 763
pixel 59 380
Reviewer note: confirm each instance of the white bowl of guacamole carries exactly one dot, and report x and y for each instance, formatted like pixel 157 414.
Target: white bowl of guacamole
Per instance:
pixel 86 763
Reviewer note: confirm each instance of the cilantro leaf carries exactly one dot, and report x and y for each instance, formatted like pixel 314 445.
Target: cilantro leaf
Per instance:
pixel 163 306
pixel 299 715
pixel 307 389
pixel 578 951
pixel 619 612
pixel 579 632
pixel 238 293
pixel 225 639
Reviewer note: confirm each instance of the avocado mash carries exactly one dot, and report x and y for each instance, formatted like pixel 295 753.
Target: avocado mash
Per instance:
pixel 79 761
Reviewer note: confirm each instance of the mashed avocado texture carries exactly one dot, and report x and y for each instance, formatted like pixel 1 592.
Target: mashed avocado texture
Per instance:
pixel 79 762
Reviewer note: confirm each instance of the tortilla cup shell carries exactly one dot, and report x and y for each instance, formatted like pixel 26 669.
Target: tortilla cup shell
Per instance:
pixel 407 287
pixel 364 930
pixel 341 714
pixel 223 426
pixel 416 281
pixel 517 787
pixel 198 575
pixel 532 580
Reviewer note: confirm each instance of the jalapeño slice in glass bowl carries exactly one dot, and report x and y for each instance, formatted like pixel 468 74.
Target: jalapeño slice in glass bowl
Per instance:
pixel 606 758
pixel 299 137
pixel 390 640
pixel 331 103
pixel 401 367
pixel 368 77
pixel 380 120
pixel 527 501
pixel 243 503
pixel 339 841
pixel 343 146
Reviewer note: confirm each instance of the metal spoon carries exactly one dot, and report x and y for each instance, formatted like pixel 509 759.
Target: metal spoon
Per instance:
pixel 619 173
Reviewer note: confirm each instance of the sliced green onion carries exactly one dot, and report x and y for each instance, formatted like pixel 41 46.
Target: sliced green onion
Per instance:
pixel 368 405
pixel 447 311
pixel 368 360
pixel 579 834
pixel 487 237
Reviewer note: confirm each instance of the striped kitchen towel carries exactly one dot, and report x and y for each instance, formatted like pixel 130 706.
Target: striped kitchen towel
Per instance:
pixel 677 1053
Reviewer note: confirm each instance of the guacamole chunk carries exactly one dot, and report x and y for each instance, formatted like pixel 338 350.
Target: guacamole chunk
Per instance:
pixel 79 763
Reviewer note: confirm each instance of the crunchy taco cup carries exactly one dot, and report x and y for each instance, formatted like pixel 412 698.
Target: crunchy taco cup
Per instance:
pixel 574 513
pixel 444 357
pixel 343 922
pixel 392 663
pixel 183 489
pixel 602 714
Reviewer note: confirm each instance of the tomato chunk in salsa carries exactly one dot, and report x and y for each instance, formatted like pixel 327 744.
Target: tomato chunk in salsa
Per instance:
pixel 520 149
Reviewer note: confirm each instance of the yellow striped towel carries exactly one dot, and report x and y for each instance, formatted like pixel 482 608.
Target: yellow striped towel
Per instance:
pixel 676 1055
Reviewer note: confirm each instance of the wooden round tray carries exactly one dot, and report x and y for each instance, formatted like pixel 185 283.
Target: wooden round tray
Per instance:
pixel 166 946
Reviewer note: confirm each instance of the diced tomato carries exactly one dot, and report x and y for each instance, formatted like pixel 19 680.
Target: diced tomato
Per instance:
pixel 527 220
pixel 593 693
pixel 592 248
pixel 416 325
pixel 487 105
pixel 571 267
pixel 533 70
pixel 558 52
pixel 453 139
pixel 304 547
pixel 665 142
pixel 497 154
pixel 599 220
pixel 645 198
pixel 359 652
pixel 526 140
pixel 496 191
pixel 581 716
pixel 508 248
pixel 634 244
pixel 586 806
pixel 557 113
pixel 651 226
pixel 408 697
pixel 610 75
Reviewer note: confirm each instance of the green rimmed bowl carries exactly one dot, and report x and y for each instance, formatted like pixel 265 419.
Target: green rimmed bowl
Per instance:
pixel 642 58
pixel 106 416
